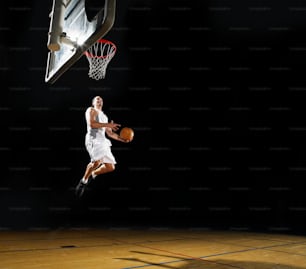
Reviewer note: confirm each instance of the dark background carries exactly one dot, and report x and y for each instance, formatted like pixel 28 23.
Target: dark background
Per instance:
pixel 215 92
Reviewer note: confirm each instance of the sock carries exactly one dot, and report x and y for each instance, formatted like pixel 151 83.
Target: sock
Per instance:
pixel 84 180
pixel 93 175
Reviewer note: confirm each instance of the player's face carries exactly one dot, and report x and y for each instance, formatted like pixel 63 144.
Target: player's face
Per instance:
pixel 98 101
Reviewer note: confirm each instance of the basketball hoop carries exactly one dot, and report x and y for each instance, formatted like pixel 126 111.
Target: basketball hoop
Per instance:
pixel 98 56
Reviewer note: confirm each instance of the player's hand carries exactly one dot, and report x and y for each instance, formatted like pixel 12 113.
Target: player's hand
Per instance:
pixel 114 126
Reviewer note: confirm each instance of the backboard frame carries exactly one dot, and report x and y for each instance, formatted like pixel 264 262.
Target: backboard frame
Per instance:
pixel 64 50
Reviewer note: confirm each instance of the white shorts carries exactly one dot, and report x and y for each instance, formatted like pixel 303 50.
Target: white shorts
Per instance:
pixel 99 151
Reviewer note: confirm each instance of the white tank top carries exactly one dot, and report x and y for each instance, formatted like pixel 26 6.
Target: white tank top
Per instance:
pixel 97 133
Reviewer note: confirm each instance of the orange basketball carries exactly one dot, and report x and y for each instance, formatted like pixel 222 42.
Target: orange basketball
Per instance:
pixel 127 133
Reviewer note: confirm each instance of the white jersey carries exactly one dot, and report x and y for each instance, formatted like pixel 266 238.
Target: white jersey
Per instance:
pixel 97 133
pixel 97 144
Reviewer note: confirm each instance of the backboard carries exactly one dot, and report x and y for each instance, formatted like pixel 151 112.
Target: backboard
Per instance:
pixel 72 32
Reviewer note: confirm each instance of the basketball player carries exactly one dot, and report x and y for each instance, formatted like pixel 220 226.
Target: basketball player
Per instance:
pixel 97 144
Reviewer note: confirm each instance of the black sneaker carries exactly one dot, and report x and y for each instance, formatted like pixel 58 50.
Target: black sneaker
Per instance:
pixel 80 188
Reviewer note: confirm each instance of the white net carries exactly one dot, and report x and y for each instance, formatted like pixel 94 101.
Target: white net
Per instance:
pixel 98 56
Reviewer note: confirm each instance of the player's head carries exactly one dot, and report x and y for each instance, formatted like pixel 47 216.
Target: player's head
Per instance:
pixel 97 101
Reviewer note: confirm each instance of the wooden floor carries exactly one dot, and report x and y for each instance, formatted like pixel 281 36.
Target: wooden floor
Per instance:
pixel 149 248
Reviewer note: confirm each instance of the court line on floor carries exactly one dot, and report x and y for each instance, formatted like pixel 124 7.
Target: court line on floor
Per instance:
pixel 202 258
pixel 187 257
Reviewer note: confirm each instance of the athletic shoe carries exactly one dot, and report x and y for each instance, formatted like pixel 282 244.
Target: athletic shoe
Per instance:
pixel 80 188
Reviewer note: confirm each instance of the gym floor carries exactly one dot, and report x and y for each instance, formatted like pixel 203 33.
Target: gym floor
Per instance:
pixel 123 248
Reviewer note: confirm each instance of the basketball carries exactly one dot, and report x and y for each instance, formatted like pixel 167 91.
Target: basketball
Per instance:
pixel 127 133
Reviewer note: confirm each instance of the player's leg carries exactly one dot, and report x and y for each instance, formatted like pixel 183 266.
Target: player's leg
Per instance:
pixel 95 152
pixel 90 167
pixel 108 165
pixel 80 188
pixel 104 168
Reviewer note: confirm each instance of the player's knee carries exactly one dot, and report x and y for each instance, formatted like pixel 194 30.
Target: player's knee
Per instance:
pixel 110 167
pixel 92 165
pixel 96 164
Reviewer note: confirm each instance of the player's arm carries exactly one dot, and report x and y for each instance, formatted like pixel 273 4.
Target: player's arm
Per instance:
pixel 95 124
pixel 114 135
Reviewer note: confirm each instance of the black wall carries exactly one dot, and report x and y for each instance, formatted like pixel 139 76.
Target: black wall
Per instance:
pixel 215 91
